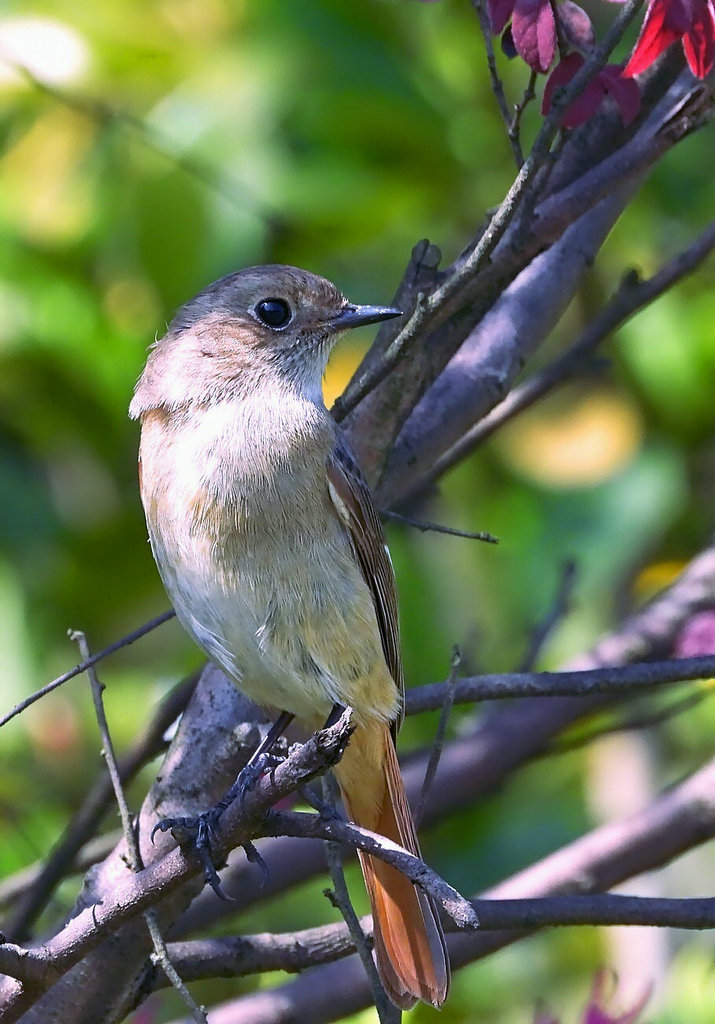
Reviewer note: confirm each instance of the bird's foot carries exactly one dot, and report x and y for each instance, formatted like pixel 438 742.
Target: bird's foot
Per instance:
pixel 249 776
pixel 326 811
pixel 198 832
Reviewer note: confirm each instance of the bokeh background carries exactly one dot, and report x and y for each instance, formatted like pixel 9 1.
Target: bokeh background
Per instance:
pixel 155 146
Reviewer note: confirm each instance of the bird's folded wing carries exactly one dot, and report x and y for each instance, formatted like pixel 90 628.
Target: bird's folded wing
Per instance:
pixel 356 509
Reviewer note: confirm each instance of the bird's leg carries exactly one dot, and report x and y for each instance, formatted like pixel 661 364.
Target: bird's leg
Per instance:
pixel 258 762
pixel 336 712
pixel 202 828
pixel 326 810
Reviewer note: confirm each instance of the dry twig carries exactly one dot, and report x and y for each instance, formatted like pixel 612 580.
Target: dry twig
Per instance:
pixel 130 839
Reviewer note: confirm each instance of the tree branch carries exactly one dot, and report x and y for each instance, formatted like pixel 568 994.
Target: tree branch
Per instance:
pixel 311 826
pixel 431 311
pixel 496 82
pixel 479 762
pixel 125 641
pixel 238 956
pixel 584 683
pixel 134 857
pixel 131 895
pixel 676 821
pixel 64 856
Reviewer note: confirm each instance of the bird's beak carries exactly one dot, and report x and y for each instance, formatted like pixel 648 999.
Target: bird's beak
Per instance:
pixel 357 316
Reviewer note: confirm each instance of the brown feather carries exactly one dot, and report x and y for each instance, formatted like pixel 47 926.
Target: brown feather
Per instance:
pixel 353 501
pixel 410 950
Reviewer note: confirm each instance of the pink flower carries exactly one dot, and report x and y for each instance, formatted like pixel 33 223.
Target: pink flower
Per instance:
pixel 667 21
pixel 608 82
pixel 532 26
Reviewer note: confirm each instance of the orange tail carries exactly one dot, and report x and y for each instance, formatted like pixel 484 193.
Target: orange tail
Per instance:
pixel 410 950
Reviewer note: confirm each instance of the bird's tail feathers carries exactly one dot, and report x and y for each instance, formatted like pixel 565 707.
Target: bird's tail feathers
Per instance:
pixel 410 950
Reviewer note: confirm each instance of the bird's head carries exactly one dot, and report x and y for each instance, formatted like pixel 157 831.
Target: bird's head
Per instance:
pixel 274 321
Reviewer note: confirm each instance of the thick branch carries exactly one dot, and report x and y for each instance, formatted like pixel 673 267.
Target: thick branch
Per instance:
pixel 238 956
pixel 631 297
pixel 137 892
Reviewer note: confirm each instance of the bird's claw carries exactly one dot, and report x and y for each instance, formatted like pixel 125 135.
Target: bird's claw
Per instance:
pixel 198 832
pixel 181 828
pixel 249 776
pixel 254 857
pixel 201 830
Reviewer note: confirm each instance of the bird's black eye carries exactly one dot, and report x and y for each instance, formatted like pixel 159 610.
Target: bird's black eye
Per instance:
pixel 273 312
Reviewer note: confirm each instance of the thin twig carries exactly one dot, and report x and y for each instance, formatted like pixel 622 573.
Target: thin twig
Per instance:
pixel 65 854
pixel 579 683
pixel 133 852
pixel 340 899
pixel 553 617
pixel 495 79
pixel 455 663
pixel 232 956
pixel 137 634
pixel 519 109
pixel 161 956
pixel 427 527
pixel 432 310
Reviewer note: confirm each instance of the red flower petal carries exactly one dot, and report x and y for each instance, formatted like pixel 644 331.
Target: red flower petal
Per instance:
pixel 584 106
pixel 499 13
pixel 624 91
pixel 534 31
pixel 699 40
pixel 561 75
pixel 665 22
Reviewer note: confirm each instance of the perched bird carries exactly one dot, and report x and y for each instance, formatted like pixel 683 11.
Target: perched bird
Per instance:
pixel 273 555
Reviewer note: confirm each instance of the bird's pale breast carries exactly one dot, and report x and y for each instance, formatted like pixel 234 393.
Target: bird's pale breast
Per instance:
pixel 255 559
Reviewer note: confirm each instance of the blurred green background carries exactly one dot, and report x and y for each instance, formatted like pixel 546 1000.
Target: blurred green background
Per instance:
pixel 331 134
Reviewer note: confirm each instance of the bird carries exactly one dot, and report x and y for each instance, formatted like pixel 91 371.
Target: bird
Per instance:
pixel 272 552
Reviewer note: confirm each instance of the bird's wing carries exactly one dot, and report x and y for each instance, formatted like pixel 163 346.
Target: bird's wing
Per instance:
pixel 356 509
